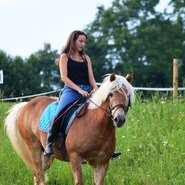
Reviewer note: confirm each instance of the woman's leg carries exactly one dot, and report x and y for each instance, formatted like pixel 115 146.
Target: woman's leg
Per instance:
pixel 67 97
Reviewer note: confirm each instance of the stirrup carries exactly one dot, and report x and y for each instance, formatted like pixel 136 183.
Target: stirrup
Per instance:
pixel 116 155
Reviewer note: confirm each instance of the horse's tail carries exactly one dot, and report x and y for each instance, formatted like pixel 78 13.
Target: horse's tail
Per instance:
pixel 13 133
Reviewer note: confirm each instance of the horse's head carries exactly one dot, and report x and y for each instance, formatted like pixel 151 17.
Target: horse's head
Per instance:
pixel 119 93
pixel 119 98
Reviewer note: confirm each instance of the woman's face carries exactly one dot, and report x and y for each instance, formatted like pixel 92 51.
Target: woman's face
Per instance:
pixel 80 42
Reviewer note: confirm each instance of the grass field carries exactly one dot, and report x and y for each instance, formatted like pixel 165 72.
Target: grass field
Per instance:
pixel 152 143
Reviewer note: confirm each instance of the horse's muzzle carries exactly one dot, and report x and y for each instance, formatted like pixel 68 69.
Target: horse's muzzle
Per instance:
pixel 119 120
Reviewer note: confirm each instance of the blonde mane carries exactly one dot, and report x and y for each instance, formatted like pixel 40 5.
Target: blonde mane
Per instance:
pixel 107 86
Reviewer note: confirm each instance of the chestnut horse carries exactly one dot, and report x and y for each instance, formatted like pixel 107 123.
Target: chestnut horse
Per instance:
pixel 91 138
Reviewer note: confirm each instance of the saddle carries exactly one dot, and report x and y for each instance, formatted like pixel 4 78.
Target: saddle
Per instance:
pixel 66 117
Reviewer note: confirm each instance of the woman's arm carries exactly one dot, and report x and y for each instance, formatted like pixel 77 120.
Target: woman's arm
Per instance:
pixel 91 75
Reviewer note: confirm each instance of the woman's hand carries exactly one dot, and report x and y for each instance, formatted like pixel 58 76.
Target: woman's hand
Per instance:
pixel 94 90
pixel 85 94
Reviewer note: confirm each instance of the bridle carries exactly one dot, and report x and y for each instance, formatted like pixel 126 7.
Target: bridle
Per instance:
pixel 114 108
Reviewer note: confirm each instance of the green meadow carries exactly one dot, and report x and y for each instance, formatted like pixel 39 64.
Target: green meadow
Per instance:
pixel 152 143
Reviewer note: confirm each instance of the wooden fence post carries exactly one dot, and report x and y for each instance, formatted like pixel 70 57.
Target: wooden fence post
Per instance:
pixel 175 78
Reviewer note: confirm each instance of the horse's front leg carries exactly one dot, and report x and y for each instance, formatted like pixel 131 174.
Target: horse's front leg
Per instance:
pixel 99 173
pixel 75 163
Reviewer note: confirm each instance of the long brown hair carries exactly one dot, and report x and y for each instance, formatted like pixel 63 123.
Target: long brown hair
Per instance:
pixel 69 48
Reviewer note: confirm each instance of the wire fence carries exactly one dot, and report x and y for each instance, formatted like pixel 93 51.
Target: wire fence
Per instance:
pixel 59 90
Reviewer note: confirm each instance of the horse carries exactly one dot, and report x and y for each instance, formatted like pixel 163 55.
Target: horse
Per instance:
pixel 91 139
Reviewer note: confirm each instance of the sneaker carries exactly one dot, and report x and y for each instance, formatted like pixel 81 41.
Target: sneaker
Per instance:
pixel 116 155
pixel 48 151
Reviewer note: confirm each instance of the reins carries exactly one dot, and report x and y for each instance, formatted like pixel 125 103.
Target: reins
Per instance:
pixel 105 111
pixel 108 113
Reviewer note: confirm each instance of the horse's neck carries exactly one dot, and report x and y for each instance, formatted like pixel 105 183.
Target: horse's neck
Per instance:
pixel 103 117
pixel 103 124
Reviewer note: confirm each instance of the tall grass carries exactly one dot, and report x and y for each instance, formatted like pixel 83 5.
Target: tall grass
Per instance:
pixel 151 142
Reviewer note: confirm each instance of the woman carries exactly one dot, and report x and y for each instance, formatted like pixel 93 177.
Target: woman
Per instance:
pixel 77 74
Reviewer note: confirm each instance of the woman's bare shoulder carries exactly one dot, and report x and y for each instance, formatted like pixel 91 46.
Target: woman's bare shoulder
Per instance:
pixel 64 56
pixel 87 58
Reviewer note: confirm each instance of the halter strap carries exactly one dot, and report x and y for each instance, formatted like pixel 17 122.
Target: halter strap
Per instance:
pixel 123 106
pixel 109 113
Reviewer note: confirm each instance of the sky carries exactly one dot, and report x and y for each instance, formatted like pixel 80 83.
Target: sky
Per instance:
pixel 25 25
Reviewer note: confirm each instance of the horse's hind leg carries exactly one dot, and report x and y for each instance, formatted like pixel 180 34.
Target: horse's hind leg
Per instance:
pixel 99 173
pixel 39 173
pixel 40 164
pixel 40 177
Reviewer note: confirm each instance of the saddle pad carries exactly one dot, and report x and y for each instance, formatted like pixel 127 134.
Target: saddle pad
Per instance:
pixel 47 117
pixel 70 121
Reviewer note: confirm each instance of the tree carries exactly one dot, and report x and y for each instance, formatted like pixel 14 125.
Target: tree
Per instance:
pixel 135 37
pixel 34 75
pixel 14 72
pixel 178 16
pixel 43 73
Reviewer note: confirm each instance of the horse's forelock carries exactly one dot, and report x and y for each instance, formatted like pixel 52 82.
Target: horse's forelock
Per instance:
pixel 107 86
pixel 122 81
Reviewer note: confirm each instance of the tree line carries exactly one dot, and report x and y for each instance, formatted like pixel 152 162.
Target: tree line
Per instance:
pixel 129 36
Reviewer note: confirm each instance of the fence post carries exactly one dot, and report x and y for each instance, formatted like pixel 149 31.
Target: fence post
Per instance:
pixel 175 78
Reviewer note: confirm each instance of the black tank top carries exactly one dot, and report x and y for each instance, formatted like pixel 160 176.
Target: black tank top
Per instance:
pixel 77 72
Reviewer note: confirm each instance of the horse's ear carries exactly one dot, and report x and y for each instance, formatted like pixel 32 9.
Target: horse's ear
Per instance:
pixel 112 77
pixel 129 77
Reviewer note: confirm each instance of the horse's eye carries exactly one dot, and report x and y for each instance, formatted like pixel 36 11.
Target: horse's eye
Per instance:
pixel 111 94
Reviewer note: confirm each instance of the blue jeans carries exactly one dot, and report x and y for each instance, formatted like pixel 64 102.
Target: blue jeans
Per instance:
pixel 68 96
